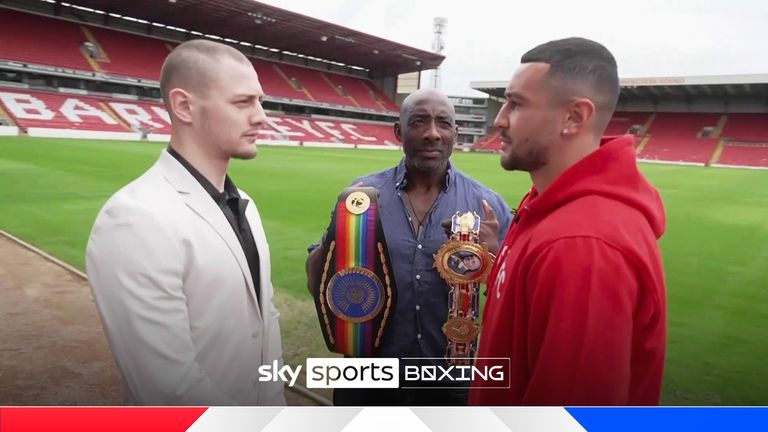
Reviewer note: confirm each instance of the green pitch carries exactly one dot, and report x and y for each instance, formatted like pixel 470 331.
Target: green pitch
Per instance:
pixel 715 249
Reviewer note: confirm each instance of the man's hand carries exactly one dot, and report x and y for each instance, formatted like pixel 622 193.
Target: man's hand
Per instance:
pixel 489 228
pixel 313 265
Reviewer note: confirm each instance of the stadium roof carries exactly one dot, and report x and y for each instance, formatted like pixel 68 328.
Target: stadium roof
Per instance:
pixel 752 85
pixel 265 25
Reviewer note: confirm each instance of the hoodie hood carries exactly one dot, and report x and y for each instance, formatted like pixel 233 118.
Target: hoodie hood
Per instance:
pixel 610 172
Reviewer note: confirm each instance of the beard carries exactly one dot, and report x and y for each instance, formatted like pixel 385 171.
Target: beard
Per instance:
pixel 525 155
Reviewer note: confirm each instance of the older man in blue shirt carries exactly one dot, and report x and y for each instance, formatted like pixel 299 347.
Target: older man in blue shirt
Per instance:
pixel 416 196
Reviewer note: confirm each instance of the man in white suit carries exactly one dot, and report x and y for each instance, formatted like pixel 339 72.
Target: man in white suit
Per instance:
pixel 178 261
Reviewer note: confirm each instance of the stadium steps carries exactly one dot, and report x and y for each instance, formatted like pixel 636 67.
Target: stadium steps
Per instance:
pixel 5 116
pixel 108 109
pixel 721 122
pixel 642 144
pixel 288 80
pixel 647 125
pixel 101 54
pixel 378 101
pixel 348 96
pixel 719 150
pixel 490 142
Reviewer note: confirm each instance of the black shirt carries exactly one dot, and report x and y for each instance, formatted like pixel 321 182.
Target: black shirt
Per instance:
pixel 233 208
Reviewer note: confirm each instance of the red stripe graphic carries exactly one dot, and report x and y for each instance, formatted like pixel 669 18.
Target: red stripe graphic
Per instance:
pixel 112 419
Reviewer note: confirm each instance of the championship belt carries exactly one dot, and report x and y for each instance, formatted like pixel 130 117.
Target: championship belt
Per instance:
pixel 356 295
pixel 464 263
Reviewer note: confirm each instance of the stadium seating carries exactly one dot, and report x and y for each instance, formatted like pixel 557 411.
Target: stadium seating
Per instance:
pixel 129 55
pixel 134 56
pixel 747 140
pixel 674 138
pixel 357 91
pixel 276 84
pixel 746 128
pixel 73 111
pixel 330 130
pixel 42 41
pixel 151 116
pixel 491 142
pixel 322 87
pixel 59 111
pixel 312 81
pixel 623 121
pixel 744 154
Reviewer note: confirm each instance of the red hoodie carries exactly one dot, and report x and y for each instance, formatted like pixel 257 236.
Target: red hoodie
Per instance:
pixel 576 298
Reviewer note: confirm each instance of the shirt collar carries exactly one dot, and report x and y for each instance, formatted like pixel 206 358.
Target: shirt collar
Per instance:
pixel 230 190
pixel 401 175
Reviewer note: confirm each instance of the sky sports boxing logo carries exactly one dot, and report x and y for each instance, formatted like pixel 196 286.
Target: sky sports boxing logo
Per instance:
pixel 390 373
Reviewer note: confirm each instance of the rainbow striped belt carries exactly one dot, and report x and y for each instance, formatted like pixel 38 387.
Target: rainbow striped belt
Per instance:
pixel 356 293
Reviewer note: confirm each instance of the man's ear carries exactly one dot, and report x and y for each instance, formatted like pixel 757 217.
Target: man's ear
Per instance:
pixel 581 116
pixel 180 103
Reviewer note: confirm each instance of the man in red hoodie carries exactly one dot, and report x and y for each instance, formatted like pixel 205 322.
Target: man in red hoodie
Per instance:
pixel 576 298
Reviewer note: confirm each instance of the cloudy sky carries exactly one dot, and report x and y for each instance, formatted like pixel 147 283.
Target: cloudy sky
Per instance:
pixel 485 38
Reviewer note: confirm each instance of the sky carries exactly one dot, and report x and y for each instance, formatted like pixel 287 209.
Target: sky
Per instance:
pixel 485 38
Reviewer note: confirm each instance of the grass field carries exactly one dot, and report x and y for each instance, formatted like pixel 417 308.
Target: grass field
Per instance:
pixel 715 249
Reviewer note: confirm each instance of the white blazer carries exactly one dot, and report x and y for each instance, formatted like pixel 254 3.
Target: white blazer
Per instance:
pixel 176 298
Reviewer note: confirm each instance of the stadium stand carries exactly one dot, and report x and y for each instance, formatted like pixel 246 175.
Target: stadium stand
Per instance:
pixel 128 55
pixel 317 89
pixel 675 137
pixel 731 139
pixel 623 122
pixel 746 128
pixel 324 87
pixel 746 140
pixel 491 142
pixel 133 56
pixel 59 111
pixel 744 154
pixel 276 84
pixel 23 39
pixel 50 110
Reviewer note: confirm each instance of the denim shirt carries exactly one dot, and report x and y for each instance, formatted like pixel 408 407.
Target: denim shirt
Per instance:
pixel 415 328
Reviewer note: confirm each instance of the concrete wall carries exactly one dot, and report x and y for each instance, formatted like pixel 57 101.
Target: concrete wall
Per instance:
pixel 70 133
pixel 9 130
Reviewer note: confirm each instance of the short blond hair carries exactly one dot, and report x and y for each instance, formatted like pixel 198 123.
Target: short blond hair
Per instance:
pixel 191 65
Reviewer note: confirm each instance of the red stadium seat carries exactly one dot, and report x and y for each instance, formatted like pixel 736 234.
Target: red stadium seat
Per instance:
pixel 275 83
pixel 64 111
pixel 134 56
pixel 60 111
pixel 490 142
pixel 742 154
pixel 746 128
pixel 311 85
pixel 151 116
pixel 623 121
pixel 320 89
pixel 129 55
pixel 673 138
pixel 329 130
pixel 360 92
pixel 40 40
